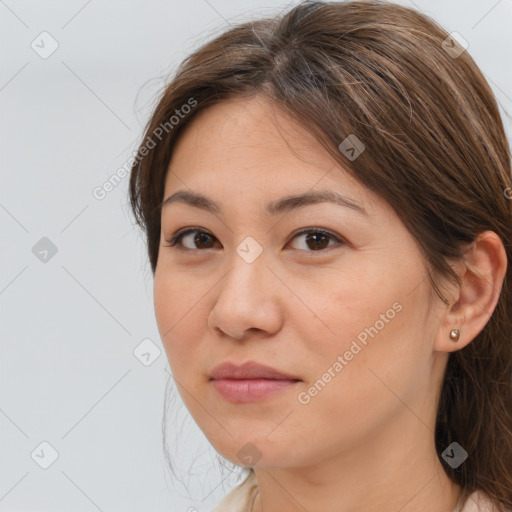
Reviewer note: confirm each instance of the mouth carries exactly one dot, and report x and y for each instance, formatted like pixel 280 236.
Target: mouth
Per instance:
pixel 249 382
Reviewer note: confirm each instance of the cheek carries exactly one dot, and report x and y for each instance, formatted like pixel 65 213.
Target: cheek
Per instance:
pixel 348 398
pixel 342 305
pixel 176 313
pixel 165 305
pixel 374 320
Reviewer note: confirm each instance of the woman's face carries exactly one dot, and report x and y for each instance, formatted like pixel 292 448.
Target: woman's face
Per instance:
pixel 345 314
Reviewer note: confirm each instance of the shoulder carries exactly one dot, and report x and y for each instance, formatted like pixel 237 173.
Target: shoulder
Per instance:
pixel 241 497
pixel 478 502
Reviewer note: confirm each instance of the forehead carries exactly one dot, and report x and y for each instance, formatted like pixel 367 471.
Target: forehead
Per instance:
pixel 255 129
pixel 249 147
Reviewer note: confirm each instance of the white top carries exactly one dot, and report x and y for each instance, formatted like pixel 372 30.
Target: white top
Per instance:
pixel 241 498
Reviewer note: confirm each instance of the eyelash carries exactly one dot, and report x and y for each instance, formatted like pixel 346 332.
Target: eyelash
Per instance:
pixel 176 239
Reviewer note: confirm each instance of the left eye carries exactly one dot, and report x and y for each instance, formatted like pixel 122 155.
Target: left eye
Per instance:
pixel 316 239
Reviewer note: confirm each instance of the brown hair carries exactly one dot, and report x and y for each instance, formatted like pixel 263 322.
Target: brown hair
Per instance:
pixel 436 151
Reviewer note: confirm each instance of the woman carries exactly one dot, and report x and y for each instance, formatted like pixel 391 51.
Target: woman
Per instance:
pixel 326 201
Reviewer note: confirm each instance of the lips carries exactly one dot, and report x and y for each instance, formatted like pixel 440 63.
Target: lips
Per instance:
pixel 249 370
pixel 250 382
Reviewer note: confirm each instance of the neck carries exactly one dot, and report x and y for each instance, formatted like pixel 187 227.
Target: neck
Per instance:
pixel 392 473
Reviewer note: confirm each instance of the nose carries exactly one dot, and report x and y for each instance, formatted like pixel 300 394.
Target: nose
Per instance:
pixel 248 300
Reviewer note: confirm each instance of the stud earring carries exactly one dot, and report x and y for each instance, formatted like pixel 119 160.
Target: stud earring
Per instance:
pixel 455 335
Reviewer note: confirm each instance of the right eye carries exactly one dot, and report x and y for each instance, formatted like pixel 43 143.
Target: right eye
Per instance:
pixel 201 238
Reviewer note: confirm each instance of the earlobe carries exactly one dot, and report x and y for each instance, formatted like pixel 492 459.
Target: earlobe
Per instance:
pixel 455 335
pixel 483 271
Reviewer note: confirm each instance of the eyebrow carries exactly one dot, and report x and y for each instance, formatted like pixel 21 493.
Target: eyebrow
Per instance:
pixel 282 205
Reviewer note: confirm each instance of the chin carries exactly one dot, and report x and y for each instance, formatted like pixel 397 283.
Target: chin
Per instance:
pixel 253 451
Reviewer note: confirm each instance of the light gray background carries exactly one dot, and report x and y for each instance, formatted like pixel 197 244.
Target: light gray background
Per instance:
pixel 69 326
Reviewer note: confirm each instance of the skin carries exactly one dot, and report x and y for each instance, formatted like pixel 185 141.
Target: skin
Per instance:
pixel 365 442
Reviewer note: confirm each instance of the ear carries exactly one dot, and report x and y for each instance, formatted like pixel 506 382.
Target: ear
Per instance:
pixel 482 272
